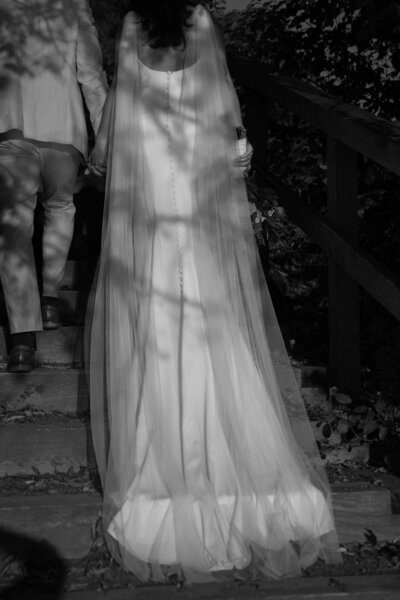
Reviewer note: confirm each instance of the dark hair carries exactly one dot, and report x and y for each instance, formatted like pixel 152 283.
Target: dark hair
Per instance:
pixel 164 21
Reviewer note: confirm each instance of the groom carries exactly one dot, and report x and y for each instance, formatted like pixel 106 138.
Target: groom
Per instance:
pixel 55 55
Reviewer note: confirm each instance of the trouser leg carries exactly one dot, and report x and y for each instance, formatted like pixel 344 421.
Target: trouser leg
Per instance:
pixel 19 182
pixel 59 172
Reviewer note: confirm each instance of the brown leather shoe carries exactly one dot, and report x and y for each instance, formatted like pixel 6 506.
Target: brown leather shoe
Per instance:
pixel 21 359
pixel 50 316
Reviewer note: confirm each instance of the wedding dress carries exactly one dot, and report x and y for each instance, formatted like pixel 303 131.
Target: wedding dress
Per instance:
pixel 206 455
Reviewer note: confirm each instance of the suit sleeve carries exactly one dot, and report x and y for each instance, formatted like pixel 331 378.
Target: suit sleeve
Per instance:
pixel 89 63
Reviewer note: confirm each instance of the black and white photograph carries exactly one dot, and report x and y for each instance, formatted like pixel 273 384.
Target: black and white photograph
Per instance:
pixel 199 299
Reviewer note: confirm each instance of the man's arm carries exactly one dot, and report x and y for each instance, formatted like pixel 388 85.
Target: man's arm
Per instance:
pixel 89 62
pixel 98 156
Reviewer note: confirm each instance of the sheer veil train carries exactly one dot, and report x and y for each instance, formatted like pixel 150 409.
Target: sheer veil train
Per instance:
pixel 207 457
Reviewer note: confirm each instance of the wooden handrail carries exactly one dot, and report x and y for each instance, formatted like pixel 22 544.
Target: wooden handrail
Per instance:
pixel 349 130
pixel 369 135
pixel 379 281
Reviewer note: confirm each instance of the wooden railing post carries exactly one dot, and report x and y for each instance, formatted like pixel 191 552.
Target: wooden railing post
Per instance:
pixel 344 305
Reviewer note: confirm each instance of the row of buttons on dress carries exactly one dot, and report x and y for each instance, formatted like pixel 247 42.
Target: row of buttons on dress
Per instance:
pixel 173 182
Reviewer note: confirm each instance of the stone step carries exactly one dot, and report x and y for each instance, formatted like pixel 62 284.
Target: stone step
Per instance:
pixel 48 389
pixel 65 345
pixel 356 587
pixel 62 346
pixel 56 444
pixel 64 521
pixel 52 444
pixel 32 444
pixel 67 520
pixel 353 527
pixel 359 498
pixel 60 384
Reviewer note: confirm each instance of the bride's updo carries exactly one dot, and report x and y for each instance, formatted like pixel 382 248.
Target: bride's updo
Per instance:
pixel 164 21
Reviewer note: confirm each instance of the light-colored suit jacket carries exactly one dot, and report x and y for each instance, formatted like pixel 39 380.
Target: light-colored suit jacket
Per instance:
pixel 52 56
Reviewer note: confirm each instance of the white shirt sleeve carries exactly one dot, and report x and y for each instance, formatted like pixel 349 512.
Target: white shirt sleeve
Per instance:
pixel 89 64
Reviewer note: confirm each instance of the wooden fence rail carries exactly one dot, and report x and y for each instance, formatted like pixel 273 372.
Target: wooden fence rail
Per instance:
pixel 349 131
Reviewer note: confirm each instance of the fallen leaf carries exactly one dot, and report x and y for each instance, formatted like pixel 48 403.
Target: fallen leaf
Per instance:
pixel 370 537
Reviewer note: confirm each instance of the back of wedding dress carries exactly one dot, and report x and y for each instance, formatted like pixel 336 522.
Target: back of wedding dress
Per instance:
pixel 205 451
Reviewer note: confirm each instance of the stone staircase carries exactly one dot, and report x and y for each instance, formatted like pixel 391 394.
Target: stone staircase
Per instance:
pixel 45 430
pixel 45 427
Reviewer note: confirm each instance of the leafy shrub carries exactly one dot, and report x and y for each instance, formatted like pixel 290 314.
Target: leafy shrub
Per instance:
pixel 348 48
pixel 367 432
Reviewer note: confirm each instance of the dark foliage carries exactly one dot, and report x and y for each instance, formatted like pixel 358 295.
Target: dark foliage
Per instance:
pixel 348 48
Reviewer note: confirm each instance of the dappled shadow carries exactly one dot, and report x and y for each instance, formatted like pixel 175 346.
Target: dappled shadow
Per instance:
pixel 46 25
pixel 181 311
pixel 38 43
pixel 38 567
pixel 19 189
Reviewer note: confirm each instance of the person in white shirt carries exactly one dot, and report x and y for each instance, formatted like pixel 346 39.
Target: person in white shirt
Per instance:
pixel 43 140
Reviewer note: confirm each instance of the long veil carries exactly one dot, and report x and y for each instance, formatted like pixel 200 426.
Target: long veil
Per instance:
pixel 233 298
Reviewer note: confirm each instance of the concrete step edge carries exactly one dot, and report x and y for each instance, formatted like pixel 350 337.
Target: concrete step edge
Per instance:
pixel 67 521
pixel 45 447
pixel 55 389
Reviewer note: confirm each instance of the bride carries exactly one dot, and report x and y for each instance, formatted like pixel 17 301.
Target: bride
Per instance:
pixel 206 455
